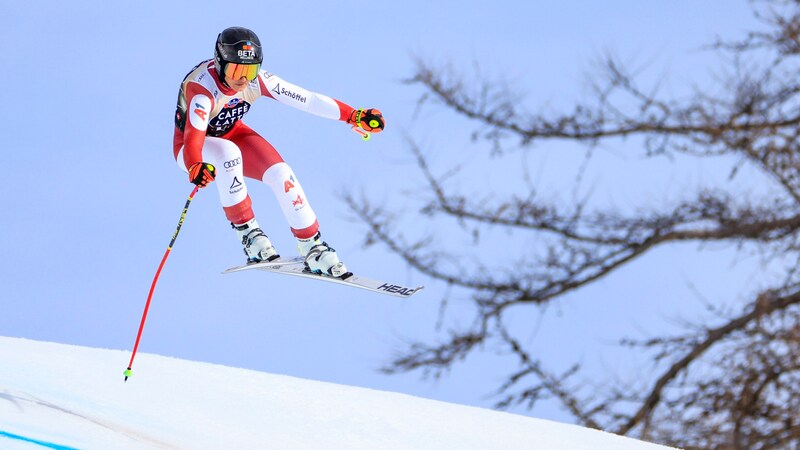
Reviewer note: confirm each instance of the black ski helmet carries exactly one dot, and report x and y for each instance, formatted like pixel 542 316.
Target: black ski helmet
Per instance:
pixel 236 45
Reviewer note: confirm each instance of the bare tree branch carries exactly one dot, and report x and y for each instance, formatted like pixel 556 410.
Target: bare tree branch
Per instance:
pixel 730 382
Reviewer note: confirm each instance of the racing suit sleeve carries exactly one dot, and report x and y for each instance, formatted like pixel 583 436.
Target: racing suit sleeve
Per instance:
pixel 292 95
pixel 199 104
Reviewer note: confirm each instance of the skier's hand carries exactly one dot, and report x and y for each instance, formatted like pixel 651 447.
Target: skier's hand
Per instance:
pixel 367 119
pixel 202 173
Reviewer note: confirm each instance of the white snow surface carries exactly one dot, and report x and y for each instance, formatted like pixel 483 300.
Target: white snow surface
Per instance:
pixel 63 397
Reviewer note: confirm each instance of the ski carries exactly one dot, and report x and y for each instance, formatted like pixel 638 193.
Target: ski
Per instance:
pixel 262 265
pixel 355 281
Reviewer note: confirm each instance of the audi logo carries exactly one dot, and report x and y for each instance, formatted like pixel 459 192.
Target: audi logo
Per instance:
pixel 233 163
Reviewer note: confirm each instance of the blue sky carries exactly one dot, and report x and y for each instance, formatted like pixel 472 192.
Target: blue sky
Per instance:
pixel 92 193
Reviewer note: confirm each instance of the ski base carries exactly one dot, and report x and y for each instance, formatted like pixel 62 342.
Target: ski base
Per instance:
pixel 261 265
pixel 355 281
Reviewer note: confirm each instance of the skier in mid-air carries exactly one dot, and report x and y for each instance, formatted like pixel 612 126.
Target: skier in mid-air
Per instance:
pixel 212 143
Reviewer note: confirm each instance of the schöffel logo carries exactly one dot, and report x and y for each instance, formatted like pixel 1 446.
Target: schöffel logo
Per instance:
pixel 281 91
pixel 236 186
pixel 393 288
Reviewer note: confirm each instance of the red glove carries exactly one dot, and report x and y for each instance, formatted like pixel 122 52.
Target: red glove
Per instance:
pixel 367 119
pixel 202 173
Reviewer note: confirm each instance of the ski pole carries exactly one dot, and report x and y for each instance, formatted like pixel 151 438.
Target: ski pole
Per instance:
pixel 364 133
pixel 155 280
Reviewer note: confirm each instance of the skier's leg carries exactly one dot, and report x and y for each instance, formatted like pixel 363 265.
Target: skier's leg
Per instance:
pixel 227 158
pixel 263 162
pixel 319 256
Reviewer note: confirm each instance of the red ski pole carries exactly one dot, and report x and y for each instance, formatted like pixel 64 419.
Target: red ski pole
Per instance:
pixel 155 280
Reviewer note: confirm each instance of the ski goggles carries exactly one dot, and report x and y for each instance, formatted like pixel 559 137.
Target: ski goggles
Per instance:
pixel 237 71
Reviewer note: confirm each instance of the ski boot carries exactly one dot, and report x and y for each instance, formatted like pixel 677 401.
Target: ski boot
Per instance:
pixel 257 246
pixel 321 259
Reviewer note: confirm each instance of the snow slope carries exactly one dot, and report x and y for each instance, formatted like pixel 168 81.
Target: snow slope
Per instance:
pixel 62 397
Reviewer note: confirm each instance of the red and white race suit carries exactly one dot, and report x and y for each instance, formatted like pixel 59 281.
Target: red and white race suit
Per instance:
pixel 208 128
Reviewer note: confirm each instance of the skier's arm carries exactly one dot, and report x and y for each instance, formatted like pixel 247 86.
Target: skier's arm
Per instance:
pixel 199 104
pixel 318 104
pixel 292 95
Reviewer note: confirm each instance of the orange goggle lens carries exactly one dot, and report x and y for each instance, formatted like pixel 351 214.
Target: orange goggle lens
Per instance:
pixel 237 71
